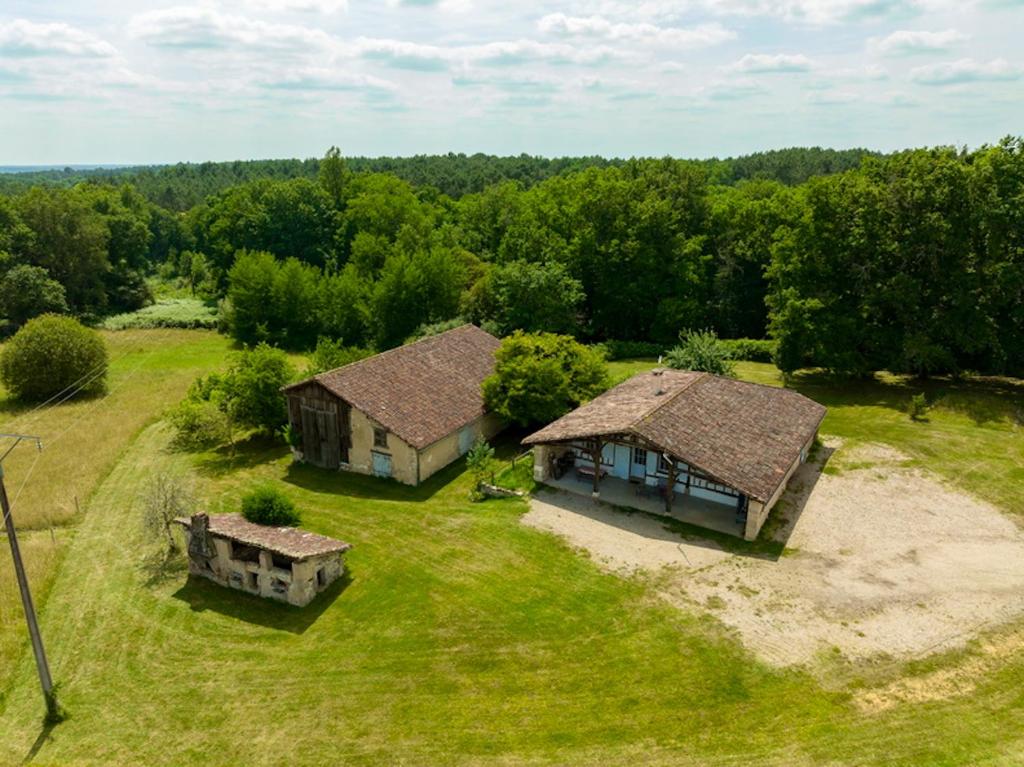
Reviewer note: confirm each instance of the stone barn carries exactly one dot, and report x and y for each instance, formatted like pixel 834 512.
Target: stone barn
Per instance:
pixel 405 413
pixel 282 563
pixel 708 450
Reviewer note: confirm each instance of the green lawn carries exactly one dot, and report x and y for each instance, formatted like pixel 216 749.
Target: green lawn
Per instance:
pixel 462 637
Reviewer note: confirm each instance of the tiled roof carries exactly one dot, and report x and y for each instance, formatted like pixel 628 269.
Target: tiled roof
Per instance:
pixel 743 434
pixel 422 391
pixel 287 541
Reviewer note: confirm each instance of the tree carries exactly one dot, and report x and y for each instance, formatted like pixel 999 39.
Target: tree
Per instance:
pixel 266 505
pixel 480 462
pixel 252 388
pixel 533 297
pixel 51 355
pixel 540 377
pixel 27 291
pixel 414 289
pixel 69 239
pixel 330 355
pixel 701 350
pixel 165 498
pixel 334 176
pixel 248 395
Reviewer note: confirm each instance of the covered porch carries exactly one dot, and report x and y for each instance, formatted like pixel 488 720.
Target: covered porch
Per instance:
pixel 688 508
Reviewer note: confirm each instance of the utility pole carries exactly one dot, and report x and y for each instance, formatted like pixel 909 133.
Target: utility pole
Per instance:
pixel 45 681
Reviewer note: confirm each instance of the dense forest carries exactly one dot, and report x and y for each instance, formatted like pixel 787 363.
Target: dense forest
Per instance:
pixel 185 185
pixel 911 262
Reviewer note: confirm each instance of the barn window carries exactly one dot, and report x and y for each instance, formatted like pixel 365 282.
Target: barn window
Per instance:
pixel 639 456
pixel 380 437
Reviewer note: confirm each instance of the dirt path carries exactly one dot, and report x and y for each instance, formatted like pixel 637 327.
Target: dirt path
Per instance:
pixel 880 560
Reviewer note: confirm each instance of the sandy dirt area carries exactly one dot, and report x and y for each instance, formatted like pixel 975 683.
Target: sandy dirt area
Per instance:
pixel 880 560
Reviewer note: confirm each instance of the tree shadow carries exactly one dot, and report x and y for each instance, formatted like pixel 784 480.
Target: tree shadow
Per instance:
pixel 317 480
pixel 983 399
pixel 162 565
pixel 249 453
pixel 201 595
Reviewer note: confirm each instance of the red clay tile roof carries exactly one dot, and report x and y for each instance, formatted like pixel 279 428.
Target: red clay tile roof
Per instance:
pixel 743 434
pixel 422 391
pixel 287 541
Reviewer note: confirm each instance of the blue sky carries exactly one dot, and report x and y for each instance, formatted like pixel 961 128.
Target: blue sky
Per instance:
pixel 100 81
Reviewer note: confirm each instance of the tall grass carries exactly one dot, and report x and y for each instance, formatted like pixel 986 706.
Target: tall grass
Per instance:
pixel 186 313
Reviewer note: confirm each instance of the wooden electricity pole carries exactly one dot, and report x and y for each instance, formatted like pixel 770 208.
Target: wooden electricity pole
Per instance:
pixel 26 595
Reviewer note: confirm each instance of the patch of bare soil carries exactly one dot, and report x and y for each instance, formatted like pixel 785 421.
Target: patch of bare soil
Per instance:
pixel 881 560
pixel 959 679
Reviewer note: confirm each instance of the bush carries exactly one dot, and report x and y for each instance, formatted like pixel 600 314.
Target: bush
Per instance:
pixel 700 350
pixel 168 313
pixel 541 376
pixel 918 407
pixel 199 425
pixel 751 349
pixel 53 353
pixel 269 506
pixel 480 462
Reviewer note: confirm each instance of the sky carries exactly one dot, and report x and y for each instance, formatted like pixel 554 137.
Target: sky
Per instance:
pixel 95 81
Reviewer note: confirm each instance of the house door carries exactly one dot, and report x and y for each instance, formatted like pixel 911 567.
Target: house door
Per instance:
pixel 637 464
pixel 465 440
pixel 381 464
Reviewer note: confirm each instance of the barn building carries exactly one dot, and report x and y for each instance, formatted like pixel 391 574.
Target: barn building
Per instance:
pixel 405 413
pixel 708 450
pixel 281 563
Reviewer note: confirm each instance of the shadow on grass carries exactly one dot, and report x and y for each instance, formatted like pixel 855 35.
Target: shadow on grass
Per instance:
pixel 161 566
pixel 45 734
pixel 983 399
pixel 247 454
pixel 355 485
pixel 201 595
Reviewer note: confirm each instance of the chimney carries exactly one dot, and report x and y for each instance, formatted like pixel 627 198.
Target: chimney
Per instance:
pixel 199 540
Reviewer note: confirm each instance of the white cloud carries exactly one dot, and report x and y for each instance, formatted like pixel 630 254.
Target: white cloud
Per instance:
pixel 763 63
pixel 325 7
pixel 201 28
pixel 600 27
pixel 818 11
pixel 25 38
pixel 427 58
pixel 323 79
pixel 966 71
pixel 906 42
pixel 735 91
pixel 404 55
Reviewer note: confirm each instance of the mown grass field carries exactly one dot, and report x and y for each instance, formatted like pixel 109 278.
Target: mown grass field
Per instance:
pixel 82 440
pixel 464 637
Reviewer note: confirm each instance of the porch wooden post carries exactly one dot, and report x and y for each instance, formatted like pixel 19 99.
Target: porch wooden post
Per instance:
pixel 596 455
pixel 670 491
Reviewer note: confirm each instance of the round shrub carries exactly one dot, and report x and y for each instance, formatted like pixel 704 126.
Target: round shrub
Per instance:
pixel 269 506
pixel 53 353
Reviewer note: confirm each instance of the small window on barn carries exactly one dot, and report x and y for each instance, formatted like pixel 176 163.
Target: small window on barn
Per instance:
pixel 639 456
pixel 380 437
pixel 663 464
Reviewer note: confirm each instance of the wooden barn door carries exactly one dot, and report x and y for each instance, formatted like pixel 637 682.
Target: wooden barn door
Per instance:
pixel 320 440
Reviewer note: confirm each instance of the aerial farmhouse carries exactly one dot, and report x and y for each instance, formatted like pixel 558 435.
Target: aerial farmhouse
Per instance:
pixel 405 413
pixel 709 450
pixel 281 563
